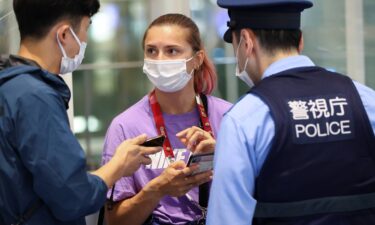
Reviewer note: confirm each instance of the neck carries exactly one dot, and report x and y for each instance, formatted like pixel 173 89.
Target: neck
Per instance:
pixel 178 102
pixel 42 52
pixel 265 59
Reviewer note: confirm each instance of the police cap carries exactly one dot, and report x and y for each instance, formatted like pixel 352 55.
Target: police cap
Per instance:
pixel 263 14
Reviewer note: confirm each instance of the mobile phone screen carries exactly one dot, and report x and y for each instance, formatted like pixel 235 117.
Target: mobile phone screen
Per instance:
pixel 154 142
pixel 205 161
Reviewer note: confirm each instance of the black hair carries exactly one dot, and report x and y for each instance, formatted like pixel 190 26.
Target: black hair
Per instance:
pixel 36 17
pixel 278 39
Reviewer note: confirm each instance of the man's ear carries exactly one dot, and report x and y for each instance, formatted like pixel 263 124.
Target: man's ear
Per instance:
pixel 62 31
pixel 301 44
pixel 248 39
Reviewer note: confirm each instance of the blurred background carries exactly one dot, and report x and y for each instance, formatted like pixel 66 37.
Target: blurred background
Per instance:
pixel 339 35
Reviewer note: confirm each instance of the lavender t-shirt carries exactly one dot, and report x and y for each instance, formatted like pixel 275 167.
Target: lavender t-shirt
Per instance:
pixel 138 119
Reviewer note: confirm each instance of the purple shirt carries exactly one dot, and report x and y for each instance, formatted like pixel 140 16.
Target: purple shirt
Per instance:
pixel 138 119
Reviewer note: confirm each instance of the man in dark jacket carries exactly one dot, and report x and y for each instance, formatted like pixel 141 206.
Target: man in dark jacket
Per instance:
pixel 42 166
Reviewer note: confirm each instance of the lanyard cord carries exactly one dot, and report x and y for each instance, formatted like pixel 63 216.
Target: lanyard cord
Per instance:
pixel 160 124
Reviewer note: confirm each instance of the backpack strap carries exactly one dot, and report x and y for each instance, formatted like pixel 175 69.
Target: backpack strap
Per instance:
pixel 109 204
pixel 204 188
pixel 101 216
pixel 29 212
pixel 205 102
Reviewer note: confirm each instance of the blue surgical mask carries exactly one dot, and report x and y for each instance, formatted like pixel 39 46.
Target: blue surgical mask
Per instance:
pixel 69 65
pixel 244 76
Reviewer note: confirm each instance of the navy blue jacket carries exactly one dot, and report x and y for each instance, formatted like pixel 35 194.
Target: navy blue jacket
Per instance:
pixel 40 158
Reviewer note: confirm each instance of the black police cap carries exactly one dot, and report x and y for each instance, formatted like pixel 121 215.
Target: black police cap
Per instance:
pixel 263 14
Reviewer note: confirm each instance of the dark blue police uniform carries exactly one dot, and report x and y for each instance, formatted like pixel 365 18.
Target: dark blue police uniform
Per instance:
pixel 320 168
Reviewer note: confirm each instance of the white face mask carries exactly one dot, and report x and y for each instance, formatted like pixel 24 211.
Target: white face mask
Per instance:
pixel 167 75
pixel 244 76
pixel 68 65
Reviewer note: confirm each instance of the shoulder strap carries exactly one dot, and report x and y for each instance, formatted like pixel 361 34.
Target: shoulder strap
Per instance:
pixel 204 188
pixel 29 212
pixel 203 194
pixel 101 216
pixel 109 203
pixel 204 101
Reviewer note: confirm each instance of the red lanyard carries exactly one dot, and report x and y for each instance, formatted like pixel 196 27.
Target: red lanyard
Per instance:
pixel 160 125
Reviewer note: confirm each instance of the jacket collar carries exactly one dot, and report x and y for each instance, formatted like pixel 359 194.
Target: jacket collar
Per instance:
pixel 13 66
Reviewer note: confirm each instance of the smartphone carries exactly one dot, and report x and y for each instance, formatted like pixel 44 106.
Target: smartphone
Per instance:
pixel 205 161
pixel 154 141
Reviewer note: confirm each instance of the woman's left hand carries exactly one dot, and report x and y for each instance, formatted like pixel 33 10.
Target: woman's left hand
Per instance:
pixel 197 140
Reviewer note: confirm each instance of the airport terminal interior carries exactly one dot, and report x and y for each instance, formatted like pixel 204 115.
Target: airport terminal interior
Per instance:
pixel 340 36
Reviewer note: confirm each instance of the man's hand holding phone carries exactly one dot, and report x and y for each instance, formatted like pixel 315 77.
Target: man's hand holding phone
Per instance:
pixel 134 154
pixel 129 156
pixel 154 142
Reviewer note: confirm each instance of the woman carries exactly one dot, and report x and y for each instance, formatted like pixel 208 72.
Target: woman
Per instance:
pixel 165 192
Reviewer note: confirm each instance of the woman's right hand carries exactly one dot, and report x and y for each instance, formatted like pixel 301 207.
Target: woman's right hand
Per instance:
pixel 176 180
pixel 197 140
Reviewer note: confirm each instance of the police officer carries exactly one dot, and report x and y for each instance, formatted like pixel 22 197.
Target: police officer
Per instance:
pixel 298 148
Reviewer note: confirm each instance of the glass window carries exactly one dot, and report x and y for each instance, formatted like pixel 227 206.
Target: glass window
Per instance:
pixel 369 38
pixel 9 37
pixel 100 95
pixel 111 78
pixel 323 28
